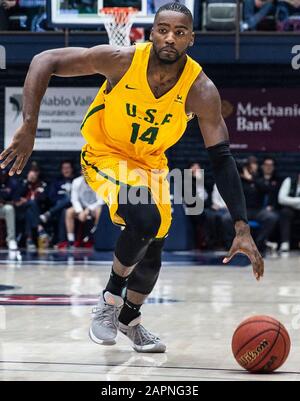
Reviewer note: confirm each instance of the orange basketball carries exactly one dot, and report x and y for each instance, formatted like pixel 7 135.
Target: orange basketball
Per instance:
pixel 261 344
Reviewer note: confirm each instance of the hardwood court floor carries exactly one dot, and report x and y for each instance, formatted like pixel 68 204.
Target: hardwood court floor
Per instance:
pixel 45 314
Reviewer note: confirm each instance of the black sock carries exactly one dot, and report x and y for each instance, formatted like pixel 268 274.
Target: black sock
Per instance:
pixel 129 312
pixel 116 283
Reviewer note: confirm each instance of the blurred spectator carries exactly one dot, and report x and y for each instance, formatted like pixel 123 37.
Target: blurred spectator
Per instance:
pixel 60 197
pixel 5 6
pixel 199 192
pixel 8 189
pixel 154 5
pixel 150 6
pixel 266 217
pixel 289 198
pixel 287 8
pixel 254 12
pixel 215 216
pixel 60 192
pixel 217 202
pixel 221 212
pixel 198 189
pixel 86 205
pixel 35 11
pixel 32 199
pixel 252 165
pixel 269 184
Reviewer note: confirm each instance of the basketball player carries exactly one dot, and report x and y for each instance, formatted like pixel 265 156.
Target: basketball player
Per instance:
pixel 142 109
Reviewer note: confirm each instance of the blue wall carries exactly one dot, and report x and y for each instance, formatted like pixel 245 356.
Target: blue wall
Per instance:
pixel 210 48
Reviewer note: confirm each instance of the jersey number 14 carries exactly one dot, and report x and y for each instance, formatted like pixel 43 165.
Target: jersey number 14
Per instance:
pixel 148 136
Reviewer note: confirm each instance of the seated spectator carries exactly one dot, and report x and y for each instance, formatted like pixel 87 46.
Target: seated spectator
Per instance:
pixel 252 165
pixel 32 198
pixel 60 192
pixel 219 212
pixel 60 197
pixel 254 12
pixel 267 218
pixel 289 198
pixel 5 6
pixel 8 189
pixel 35 10
pixel 269 184
pixel 199 192
pixel 286 9
pixel 86 205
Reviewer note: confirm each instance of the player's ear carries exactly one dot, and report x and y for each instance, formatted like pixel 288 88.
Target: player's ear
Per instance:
pixel 151 35
pixel 192 40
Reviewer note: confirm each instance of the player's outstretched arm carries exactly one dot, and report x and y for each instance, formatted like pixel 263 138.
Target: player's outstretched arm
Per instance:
pixel 68 62
pixel 204 101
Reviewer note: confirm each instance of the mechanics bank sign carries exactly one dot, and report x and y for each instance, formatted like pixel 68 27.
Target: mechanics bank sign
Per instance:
pixel 254 118
pixel 2 58
pixel 263 119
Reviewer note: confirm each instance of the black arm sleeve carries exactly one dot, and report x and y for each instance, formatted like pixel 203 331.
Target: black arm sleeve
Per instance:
pixel 228 180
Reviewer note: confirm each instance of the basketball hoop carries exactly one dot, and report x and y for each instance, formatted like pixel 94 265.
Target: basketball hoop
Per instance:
pixel 118 23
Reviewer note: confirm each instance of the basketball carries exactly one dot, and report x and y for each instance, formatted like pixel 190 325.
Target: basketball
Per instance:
pixel 261 344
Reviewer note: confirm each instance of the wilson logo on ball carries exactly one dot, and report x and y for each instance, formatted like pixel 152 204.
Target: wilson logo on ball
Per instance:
pixel 251 356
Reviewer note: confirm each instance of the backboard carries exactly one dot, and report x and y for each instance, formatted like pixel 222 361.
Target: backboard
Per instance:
pixel 85 13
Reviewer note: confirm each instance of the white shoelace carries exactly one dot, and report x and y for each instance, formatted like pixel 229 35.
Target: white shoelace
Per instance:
pixel 106 315
pixel 144 336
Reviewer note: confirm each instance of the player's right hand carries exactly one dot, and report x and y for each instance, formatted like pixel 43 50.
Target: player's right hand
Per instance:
pixel 19 150
pixel 244 243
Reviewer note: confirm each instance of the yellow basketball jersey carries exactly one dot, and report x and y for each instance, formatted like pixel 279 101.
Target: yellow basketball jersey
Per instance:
pixel 130 123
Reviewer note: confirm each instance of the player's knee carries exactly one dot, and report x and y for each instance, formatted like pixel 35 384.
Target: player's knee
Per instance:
pixel 143 219
pixel 147 221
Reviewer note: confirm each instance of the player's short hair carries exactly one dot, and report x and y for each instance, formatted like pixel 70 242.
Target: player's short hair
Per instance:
pixel 177 7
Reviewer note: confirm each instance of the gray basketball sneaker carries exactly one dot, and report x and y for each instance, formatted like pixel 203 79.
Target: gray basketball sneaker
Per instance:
pixel 104 327
pixel 143 340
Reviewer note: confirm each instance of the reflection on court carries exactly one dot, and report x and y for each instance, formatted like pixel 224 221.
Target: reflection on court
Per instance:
pixel 45 315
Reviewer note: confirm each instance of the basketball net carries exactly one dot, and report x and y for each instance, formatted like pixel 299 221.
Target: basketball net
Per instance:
pixel 118 22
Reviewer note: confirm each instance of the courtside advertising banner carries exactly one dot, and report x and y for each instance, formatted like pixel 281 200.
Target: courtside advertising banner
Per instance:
pixel 257 119
pixel 61 114
pixel 262 119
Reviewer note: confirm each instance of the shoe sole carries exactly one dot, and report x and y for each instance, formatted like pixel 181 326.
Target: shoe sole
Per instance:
pixel 142 349
pixel 100 342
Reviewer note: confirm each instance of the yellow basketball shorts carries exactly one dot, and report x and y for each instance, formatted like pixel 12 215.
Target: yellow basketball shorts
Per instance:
pixel 107 174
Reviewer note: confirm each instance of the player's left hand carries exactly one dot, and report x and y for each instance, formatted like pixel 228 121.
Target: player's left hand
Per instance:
pixel 244 243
